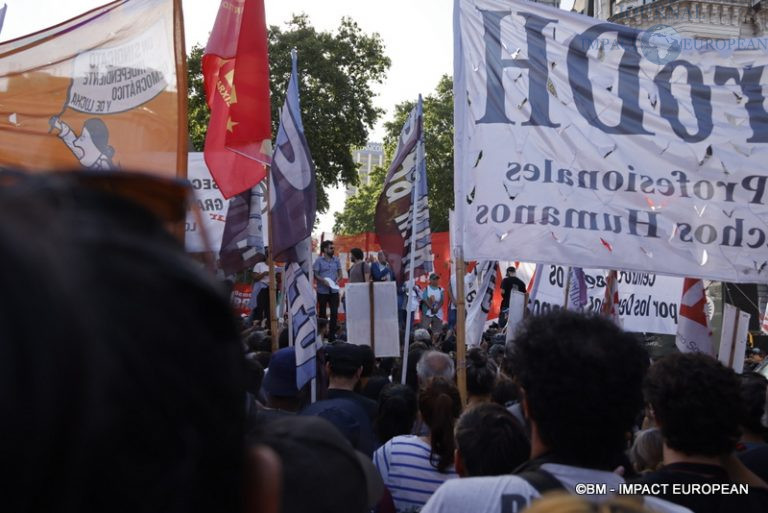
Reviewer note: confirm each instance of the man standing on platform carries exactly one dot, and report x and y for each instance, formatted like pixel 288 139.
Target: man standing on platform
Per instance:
pixel 509 283
pixel 327 270
pixel 380 270
pixel 432 306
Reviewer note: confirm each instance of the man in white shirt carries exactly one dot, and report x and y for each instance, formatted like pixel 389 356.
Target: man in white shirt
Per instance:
pixel 432 306
pixel 259 302
pixel 580 380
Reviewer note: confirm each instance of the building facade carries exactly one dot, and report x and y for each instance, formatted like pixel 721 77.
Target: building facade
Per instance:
pixel 366 159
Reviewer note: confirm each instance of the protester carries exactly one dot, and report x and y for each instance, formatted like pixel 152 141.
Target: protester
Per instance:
pixel 360 271
pixel 432 305
pixel 508 284
pixel 397 412
pixel 753 451
pixel 489 442
pixel 581 386
pixel 283 397
pixel 381 270
pixel 327 272
pixel 422 335
pixel 121 372
pixel 411 466
pixel 321 472
pixel 646 453
pixel 344 366
pixel 259 302
pixel 697 405
pixel 481 377
pixel 433 364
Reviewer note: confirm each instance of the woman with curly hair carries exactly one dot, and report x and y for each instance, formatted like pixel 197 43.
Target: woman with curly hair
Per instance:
pixel 413 467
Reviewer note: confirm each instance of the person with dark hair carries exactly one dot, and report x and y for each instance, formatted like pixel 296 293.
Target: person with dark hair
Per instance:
pixel 489 442
pixel 697 405
pixel 327 272
pixel 481 377
pixel 397 412
pixel 279 383
pixel 321 472
pixel 753 451
pixel 359 272
pixel 127 394
pixel 580 378
pixel 259 302
pixel 344 366
pixel 411 466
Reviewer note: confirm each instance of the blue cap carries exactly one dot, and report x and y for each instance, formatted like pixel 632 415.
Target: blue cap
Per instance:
pixel 280 379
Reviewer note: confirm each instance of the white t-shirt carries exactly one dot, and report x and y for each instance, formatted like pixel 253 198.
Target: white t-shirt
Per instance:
pixel 262 267
pixel 507 494
pixel 437 296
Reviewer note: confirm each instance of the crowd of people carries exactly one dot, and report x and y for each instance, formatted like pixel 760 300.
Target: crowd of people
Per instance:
pixel 138 390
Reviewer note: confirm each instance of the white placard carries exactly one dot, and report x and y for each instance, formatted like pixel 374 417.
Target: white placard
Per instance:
pixel 581 141
pixel 358 314
pixel 733 338
pixel 213 208
pixel 516 312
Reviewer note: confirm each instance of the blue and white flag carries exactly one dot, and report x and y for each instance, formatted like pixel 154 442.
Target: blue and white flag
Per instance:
pixel 301 303
pixel 477 313
pixel 2 16
pixel 577 292
pixel 293 207
pixel 292 179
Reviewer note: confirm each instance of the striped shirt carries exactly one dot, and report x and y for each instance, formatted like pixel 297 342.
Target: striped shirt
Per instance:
pixel 404 465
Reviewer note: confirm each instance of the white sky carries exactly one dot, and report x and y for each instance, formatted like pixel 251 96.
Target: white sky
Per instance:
pixel 417 35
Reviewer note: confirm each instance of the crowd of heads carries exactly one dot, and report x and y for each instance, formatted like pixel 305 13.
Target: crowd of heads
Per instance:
pixel 138 377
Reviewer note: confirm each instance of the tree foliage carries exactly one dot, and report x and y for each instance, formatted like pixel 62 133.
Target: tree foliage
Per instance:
pixel 358 212
pixel 337 71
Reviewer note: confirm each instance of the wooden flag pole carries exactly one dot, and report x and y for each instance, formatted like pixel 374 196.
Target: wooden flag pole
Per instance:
pixel 461 333
pixel 272 281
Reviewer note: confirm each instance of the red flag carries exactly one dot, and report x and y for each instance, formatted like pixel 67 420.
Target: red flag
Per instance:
pixel 693 333
pixel 236 73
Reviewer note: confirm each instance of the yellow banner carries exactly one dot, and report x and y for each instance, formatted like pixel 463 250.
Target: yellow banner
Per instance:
pixel 105 90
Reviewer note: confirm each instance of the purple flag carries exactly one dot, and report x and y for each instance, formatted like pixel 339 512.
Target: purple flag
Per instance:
pixel 577 294
pixel 292 179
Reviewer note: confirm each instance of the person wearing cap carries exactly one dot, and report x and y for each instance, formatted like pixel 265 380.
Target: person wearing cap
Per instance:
pixel 344 366
pixel 321 472
pixel 280 383
pixel 508 284
pixel 432 305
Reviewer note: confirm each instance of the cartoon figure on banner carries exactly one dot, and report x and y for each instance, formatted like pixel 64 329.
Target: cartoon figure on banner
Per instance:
pixel 91 147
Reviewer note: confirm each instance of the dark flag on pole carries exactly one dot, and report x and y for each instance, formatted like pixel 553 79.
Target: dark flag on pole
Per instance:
pixel 292 180
pixel 395 208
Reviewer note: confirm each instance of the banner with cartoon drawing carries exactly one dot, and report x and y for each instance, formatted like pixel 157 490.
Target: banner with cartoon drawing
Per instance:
pixel 101 91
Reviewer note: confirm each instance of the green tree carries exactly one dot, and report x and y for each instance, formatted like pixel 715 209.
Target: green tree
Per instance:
pixel 359 210
pixel 337 71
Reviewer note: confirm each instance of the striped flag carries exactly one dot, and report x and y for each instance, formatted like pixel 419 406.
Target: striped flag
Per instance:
pixel 610 306
pixel 478 312
pixel 693 333
pixel 293 208
pixel 301 304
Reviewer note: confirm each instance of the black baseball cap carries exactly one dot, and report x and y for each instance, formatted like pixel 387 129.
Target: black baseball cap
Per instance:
pixel 344 358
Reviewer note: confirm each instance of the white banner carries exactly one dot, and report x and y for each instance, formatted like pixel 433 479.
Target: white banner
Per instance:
pixel 213 208
pixel 733 338
pixel 647 302
pixel 123 77
pixel 584 142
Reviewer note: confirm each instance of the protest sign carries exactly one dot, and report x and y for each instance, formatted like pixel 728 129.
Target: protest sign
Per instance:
pixel 517 303
pixel 733 339
pixel 586 145
pixel 386 341
pixel 213 208
pixel 101 91
pixel 647 302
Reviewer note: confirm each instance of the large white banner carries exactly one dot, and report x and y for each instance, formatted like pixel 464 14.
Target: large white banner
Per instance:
pixel 213 209
pixel 585 143
pixel 647 302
